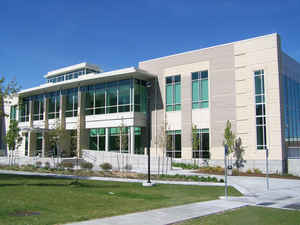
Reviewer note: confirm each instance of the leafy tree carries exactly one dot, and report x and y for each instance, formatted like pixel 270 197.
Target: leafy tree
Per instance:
pixel 6 92
pixel 238 154
pixel 229 137
pixel 13 138
pixel 196 140
pixel 59 138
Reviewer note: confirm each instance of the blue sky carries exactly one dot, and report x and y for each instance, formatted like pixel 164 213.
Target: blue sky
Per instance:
pixel 37 36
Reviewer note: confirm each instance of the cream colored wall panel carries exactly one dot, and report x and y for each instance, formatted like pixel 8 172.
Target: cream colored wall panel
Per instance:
pixel 254 44
pixel 263 56
pixel 200 118
pixel 241 60
pixel 242 113
pixel 242 86
pixel 241 74
pixel 242 126
pixel 242 100
pixel 187 68
pixel 173 120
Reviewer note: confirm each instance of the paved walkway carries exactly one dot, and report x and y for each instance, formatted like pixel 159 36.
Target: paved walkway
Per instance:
pixel 167 215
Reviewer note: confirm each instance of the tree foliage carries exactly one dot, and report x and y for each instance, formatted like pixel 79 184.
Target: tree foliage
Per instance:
pixel 229 137
pixel 6 92
pixel 13 138
pixel 239 154
pixel 196 139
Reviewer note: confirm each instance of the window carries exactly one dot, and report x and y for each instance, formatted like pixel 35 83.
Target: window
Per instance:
pixel 24 111
pixel 53 106
pixel 97 139
pixel 115 97
pixel 26 144
pixel 39 144
pixel 71 99
pixel 13 112
pixel 201 143
pixel 261 137
pixel 200 89
pixel 38 107
pixel 118 142
pixel 173 93
pixel 138 141
pixel 174 144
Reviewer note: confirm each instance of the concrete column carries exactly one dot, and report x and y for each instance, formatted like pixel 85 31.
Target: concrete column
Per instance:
pixel 31 143
pixel 62 110
pixel 82 133
pixel 132 142
pixel 30 113
pixel 106 139
pixel 44 143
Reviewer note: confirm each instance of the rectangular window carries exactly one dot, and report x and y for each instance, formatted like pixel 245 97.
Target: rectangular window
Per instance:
pixel 26 144
pixel 200 89
pixel 174 144
pixel 71 98
pixel 39 144
pixel 24 111
pixel 173 93
pixel 53 107
pixel 97 139
pixel 38 108
pixel 261 137
pixel 201 143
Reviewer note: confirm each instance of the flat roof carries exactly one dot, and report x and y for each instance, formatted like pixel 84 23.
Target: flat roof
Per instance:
pixel 89 79
pixel 66 69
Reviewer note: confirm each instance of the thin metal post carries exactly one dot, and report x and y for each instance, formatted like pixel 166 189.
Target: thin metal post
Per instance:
pixel 148 131
pixel 225 162
pixel 267 168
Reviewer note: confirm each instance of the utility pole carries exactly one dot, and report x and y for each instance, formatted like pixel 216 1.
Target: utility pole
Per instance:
pixel 267 168
pixel 225 162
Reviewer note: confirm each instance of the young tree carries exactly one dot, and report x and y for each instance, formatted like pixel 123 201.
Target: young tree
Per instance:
pixel 162 142
pixel 59 138
pixel 238 154
pixel 229 137
pixel 13 138
pixel 196 140
pixel 6 92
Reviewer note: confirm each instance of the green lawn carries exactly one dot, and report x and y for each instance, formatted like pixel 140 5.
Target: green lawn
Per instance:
pixel 59 202
pixel 250 216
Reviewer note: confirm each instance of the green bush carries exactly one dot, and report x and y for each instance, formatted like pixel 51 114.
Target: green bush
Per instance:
pixel 249 171
pixel 257 171
pixel 86 165
pixel 47 165
pixel 185 166
pixel 106 166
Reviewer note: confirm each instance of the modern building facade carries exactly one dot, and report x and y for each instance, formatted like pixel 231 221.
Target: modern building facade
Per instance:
pixel 252 83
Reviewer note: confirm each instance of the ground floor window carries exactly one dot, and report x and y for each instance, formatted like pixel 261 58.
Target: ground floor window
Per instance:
pixel 118 139
pixel 139 149
pixel 26 144
pixel 201 143
pixel 174 144
pixel 39 144
pixel 97 139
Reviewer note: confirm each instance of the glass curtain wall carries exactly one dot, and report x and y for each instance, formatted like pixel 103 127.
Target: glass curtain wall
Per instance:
pixel 115 97
pixel 261 137
pixel 200 89
pixel 173 93
pixel 174 144
pixel 71 100
pixel 97 139
pixel 201 145
pixel 38 107
pixel 118 142
pixel 53 105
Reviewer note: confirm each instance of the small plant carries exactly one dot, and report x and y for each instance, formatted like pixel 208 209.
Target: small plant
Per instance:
pixel 185 166
pixel 106 166
pixel 68 165
pixel 128 167
pixel 249 171
pixel 47 165
pixel 38 164
pixel 257 171
pixel 86 165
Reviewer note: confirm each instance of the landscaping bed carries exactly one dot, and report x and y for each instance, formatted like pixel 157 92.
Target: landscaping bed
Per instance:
pixel 43 200
pixel 111 173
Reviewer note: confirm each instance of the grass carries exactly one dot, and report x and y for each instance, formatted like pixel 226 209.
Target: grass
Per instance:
pixel 248 216
pixel 58 201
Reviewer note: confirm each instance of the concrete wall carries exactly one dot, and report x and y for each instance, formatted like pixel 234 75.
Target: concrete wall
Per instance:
pixel 294 167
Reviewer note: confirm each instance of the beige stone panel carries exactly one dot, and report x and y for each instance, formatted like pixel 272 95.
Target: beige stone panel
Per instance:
pixel 241 74
pixel 263 56
pixel 186 153
pixel 187 68
pixel 173 120
pixel 217 153
pixel 241 60
pixel 242 113
pixel 255 44
pixel 242 86
pixel 242 100
pixel 242 126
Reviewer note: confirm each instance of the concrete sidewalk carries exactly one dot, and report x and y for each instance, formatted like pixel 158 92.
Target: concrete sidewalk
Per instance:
pixel 167 215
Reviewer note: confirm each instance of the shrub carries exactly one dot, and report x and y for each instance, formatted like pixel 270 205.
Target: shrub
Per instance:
pixel 128 167
pixel 185 166
pixel 106 166
pixel 69 165
pixel 257 171
pixel 38 164
pixel 47 165
pixel 86 165
pixel 249 171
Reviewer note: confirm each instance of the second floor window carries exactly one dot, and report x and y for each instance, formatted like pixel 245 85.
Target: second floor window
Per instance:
pixel 13 112
pixel 173 93
pixel 24 111
pixel 200 89
pixel 54 104
pixel 38 108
